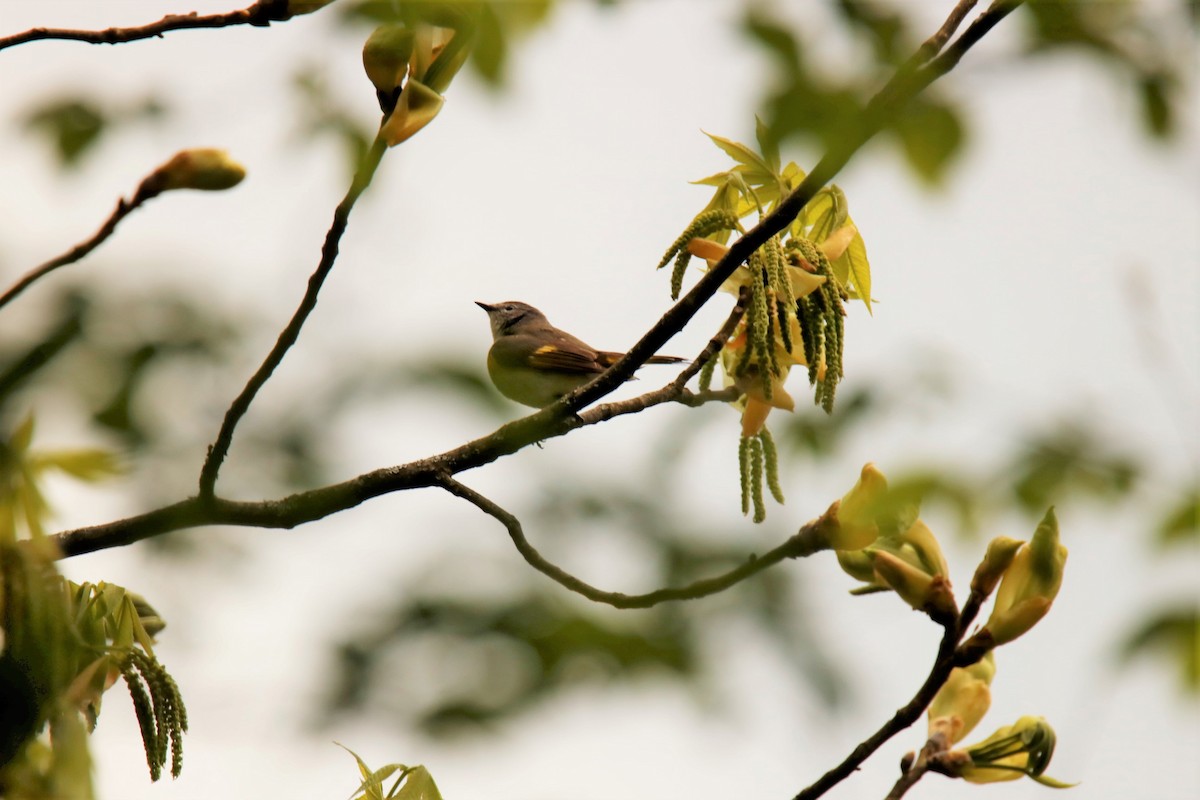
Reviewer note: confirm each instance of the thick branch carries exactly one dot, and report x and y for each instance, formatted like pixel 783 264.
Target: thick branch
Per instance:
pixel 805 542
pixel 262 13
pixel 291 332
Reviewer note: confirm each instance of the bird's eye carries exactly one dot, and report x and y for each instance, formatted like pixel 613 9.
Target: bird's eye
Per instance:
pixel 510 307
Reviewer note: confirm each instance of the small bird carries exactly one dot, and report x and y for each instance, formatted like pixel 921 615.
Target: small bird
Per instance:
pixel 535 363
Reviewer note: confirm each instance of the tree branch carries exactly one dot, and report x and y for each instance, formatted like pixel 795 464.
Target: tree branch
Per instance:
pixel 947 659
pixel 291 332
pixel 808 540
pixel 260 14
pixel 123 209
pixel 879 111
pixel 315 504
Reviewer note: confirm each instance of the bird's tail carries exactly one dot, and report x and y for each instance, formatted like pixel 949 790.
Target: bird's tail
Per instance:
pixel 608 358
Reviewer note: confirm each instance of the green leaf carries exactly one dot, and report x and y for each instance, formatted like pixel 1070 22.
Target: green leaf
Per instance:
pixel 372 784
pixel 855 258
pixel 740 153
pixel 768 145
pixel 419 785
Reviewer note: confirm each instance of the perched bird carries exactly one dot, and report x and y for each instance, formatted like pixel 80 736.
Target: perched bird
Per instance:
pixel 535 363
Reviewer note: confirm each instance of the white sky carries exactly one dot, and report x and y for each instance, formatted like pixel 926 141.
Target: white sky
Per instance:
pixel 563 192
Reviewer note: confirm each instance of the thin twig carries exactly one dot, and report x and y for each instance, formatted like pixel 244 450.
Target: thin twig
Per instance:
pixel 124 207
pixel 947 659
pixel 260 14
pixel 934 44
pixel 934 746
pixel 675 391
pixel 291 332
pixel 903 718
pixel 808 540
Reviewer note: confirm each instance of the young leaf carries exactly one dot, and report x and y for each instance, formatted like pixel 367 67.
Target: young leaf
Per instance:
pixel 860 269
pixel 419 786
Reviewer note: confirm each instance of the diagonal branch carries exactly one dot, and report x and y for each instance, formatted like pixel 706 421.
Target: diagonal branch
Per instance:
pixel 291 332
pixel 260 14
pixel 949 656
pixel 808 540
pixel 123 209
pixel 880 110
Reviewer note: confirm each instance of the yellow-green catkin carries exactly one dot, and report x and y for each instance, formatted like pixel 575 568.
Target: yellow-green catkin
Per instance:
pixel 704 224
pixel 706 374
pixel 759 333
pixel 744 472
pixel 771 464
pixel 781 285
pixel 748 350
pixel 161 714
pixel 822 327
pixel 144 710
pixel 756 479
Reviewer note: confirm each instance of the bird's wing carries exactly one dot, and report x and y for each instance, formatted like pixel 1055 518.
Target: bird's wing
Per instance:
pixel 555 351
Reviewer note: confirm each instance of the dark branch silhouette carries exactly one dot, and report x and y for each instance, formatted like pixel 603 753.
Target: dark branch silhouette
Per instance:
pixel 260 14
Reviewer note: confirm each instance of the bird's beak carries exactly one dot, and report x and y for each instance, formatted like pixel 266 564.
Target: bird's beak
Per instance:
pixel 485 306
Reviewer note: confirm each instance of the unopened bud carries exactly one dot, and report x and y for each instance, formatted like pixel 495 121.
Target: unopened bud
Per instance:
pixel 203 168
pixel 1029 585
pixel 385 57
pixel 996 560
pixel 858 512
pixel 963 700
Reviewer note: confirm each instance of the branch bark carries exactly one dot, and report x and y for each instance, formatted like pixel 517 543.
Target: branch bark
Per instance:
pixel 260 14
pixel 808 540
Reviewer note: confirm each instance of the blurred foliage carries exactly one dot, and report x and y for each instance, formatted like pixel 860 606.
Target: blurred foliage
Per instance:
pixel 1065 460
pixel 1182 522
pixel 1172 635
pixel 74 125
pixel 1172 632
pixel 494 24
pixel 322 114
pixel 818 103
pixel 62 645
pixel 482 660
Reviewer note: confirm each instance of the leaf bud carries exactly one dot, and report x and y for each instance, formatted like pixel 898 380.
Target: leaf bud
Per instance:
pixel 963 700
pixel 1029 585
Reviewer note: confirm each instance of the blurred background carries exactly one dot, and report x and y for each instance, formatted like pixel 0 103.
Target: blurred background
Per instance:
pixel 1033 233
